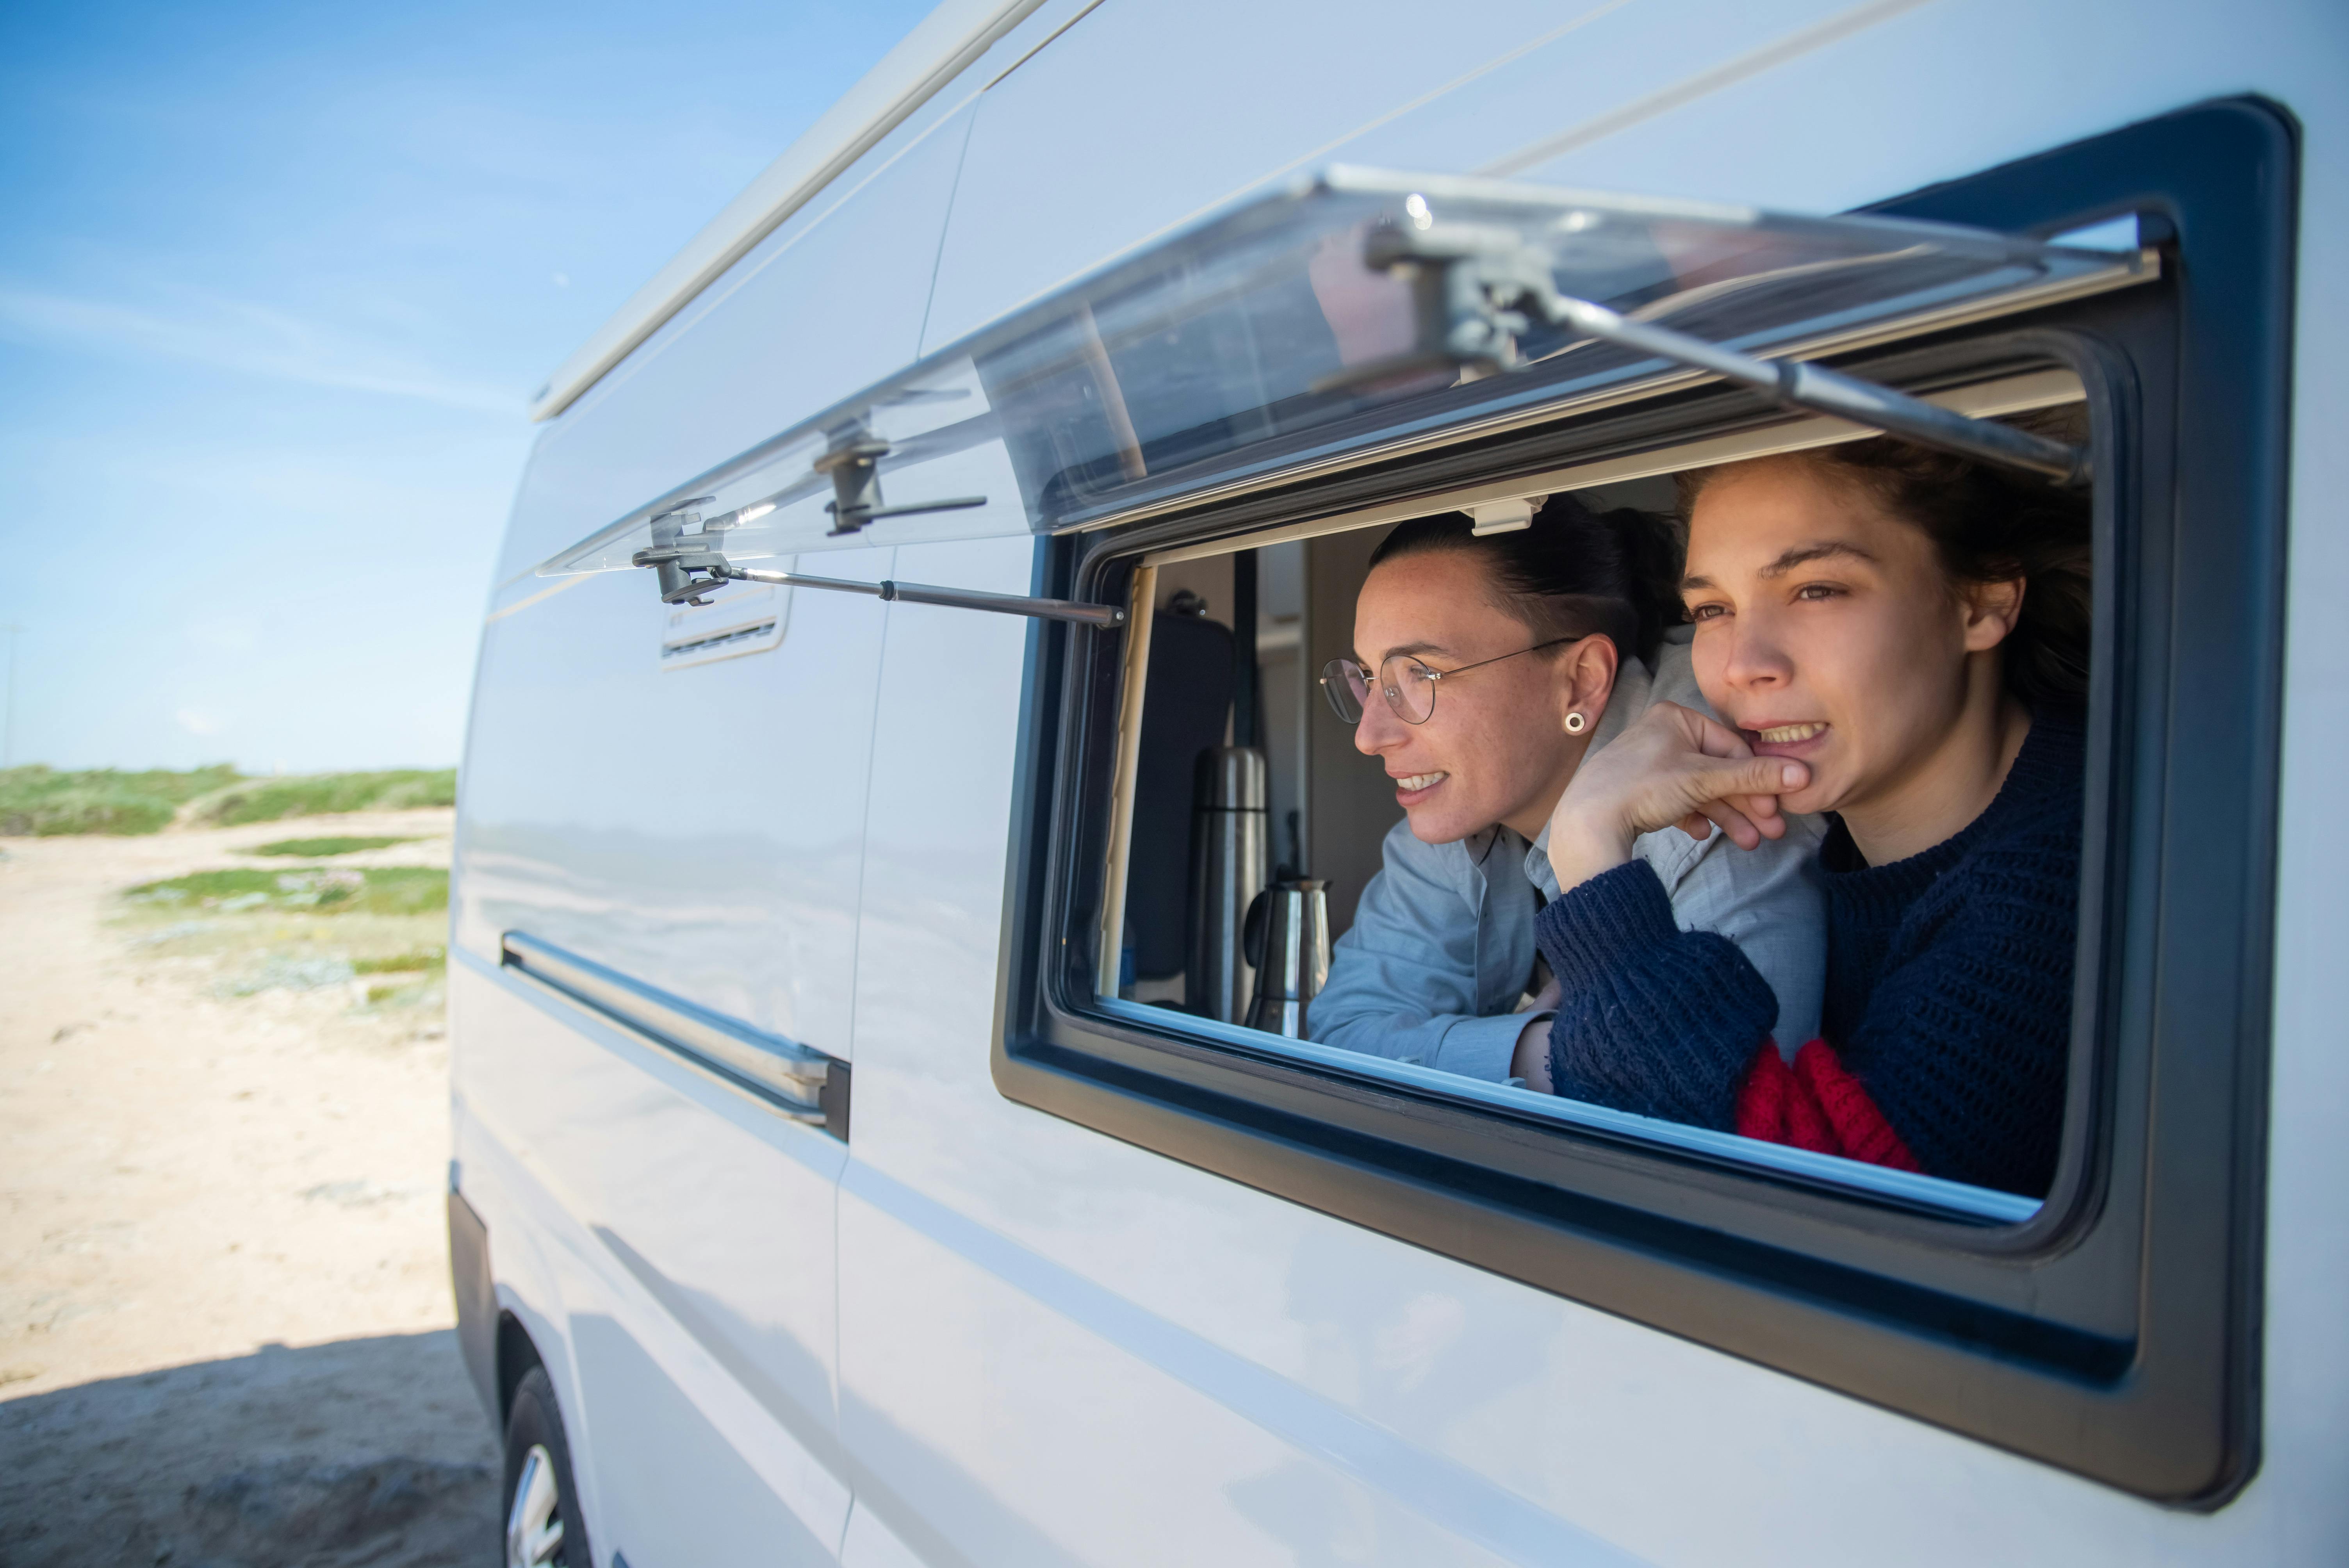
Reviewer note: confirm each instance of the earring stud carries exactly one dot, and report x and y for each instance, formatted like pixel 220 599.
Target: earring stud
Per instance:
pixel 1575 724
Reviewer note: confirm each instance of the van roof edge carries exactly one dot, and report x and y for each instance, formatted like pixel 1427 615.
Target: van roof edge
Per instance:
pixel 941 46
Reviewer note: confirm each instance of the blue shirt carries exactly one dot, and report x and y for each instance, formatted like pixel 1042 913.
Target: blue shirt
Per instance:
pixel 1436 964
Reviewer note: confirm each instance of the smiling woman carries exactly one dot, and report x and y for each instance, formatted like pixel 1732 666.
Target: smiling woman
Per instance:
pixel 1558 630
pixel 1898 639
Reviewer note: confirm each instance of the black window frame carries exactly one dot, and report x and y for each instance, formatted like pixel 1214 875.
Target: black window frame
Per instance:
pixel 2117 1335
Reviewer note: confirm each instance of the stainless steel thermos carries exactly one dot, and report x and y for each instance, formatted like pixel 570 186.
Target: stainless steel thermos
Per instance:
pixel 1229 866
pixel 1287 941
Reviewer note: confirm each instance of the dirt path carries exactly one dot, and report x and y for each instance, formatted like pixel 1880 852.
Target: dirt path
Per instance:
pixel 225 1307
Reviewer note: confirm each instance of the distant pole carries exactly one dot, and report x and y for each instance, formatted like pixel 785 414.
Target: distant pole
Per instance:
pixel 8 725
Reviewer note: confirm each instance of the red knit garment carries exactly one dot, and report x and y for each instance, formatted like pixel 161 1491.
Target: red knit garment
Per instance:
pixel 1816 1105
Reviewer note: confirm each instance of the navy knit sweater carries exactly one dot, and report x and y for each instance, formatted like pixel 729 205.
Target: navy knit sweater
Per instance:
pixel 1948 986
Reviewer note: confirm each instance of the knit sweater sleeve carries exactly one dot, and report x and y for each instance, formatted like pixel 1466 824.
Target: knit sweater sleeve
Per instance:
pixel 1964 1047
pixel 1650 1018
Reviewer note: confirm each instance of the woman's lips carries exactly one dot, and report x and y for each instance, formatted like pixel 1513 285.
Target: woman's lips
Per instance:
pixel 1795 739
pixel 1413 787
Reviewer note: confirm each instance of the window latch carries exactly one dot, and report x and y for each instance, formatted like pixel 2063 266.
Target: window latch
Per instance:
pixel 1475 288
pixel 853 463
pixel 687 555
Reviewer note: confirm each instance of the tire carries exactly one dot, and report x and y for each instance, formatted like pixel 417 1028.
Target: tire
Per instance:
pixel 544 1525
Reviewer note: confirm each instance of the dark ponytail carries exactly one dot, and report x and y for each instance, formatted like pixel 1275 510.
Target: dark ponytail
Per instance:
pixel 1573 573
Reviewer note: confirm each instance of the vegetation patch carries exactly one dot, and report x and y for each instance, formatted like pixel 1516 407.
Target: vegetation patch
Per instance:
pixel 320 849
pixel 427 961
pixel 396 993
pixel 40 800
pixel 320 794
pixel 369 946
pixel 376 889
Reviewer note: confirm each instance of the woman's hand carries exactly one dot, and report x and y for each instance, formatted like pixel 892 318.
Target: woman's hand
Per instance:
pixel 1530 1060
pixel 1671 767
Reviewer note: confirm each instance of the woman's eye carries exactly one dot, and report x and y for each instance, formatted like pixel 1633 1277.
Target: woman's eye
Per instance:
pixel 1816 591
pixel 1707 611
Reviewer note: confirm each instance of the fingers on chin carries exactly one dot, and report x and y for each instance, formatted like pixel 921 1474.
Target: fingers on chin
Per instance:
pixel 1735 823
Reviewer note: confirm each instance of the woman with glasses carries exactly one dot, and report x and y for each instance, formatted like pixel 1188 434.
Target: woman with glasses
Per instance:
pixel 1484 670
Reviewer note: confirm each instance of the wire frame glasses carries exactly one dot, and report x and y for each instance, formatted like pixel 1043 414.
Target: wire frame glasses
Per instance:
pixel 1407 682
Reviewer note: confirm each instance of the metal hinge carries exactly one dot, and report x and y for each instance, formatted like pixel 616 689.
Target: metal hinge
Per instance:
pixel 854 464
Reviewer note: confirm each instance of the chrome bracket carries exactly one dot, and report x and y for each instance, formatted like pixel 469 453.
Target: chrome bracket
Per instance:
pixel 675 557
pixel 854 464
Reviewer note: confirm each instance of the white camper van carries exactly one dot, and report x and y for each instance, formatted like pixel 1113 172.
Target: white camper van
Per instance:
pixel 881 1140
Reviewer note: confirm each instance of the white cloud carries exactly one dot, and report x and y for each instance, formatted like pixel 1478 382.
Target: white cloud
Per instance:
pixel 199 721
pixel 236 334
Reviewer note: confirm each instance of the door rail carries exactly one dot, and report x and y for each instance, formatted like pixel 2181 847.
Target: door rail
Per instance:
pixel 796 1080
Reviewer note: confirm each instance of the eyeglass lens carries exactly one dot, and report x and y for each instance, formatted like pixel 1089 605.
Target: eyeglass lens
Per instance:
pixel 1343 684
pixel 1408 686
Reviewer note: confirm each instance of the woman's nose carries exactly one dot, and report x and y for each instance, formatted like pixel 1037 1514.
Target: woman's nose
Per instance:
pixel 1377 730
pixel 1757 659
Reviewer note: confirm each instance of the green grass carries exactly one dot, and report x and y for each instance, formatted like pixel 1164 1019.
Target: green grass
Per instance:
pixel 41 800
pixel 319 794
pixel 378 889
pixel 420 963
pixel 383 964
pixel 316 849
pixel 407 993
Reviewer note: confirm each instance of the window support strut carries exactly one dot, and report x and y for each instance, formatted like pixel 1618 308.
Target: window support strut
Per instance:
pixel 689 565
pixel 953 598
pixel 1475 287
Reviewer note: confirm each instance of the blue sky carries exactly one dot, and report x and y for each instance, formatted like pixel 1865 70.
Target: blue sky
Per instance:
pixel 275 282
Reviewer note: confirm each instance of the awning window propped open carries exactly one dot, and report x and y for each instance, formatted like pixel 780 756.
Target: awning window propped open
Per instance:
pixel 1342 316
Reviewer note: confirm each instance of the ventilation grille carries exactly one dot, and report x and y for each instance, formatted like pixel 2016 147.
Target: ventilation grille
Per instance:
pixel 741 620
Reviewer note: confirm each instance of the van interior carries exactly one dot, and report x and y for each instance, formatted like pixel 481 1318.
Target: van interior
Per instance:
pixel 1238 778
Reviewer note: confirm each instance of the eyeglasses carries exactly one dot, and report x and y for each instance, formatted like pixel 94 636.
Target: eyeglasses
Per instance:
pixel 1407 684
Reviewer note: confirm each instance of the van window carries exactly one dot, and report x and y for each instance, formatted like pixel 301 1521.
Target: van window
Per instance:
pixel 1265 876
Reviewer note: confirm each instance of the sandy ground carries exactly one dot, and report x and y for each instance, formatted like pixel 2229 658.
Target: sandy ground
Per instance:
pixel 225 1321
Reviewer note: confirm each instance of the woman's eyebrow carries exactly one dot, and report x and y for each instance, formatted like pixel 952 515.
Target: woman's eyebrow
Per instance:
pixel 1789 562
pixel 1803 554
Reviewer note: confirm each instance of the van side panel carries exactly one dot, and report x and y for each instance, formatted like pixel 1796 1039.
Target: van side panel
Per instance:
pixel 689 1233
pixel 695 826
pixel 721 866
pixel 698 828
pixel 667 1244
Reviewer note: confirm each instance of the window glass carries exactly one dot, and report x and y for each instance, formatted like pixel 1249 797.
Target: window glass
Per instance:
pixel 1270 334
